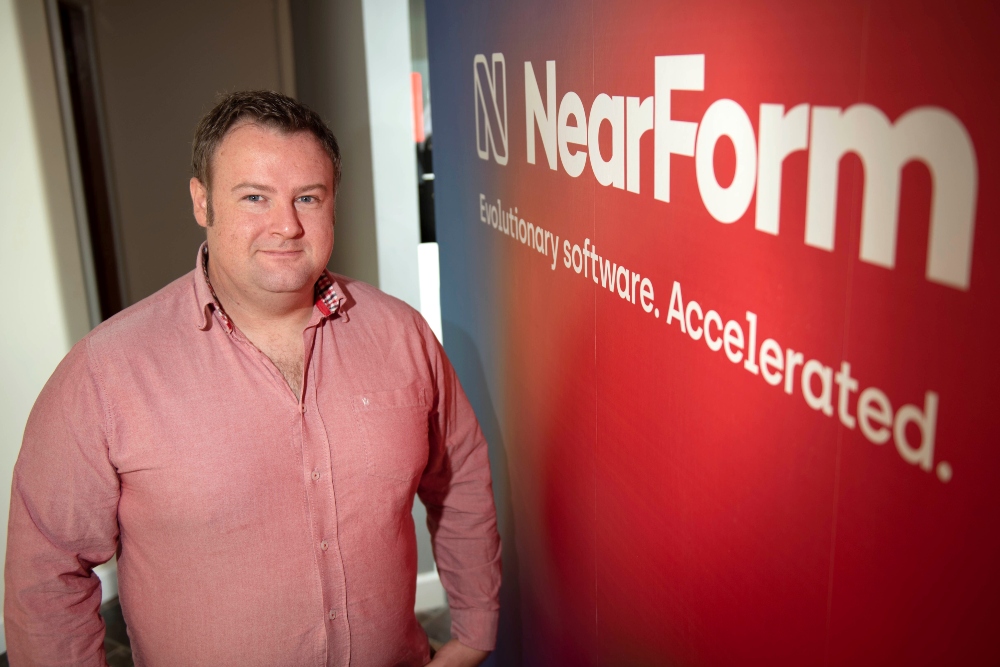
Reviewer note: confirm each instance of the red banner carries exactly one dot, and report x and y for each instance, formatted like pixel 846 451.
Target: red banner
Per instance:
pixel 731 271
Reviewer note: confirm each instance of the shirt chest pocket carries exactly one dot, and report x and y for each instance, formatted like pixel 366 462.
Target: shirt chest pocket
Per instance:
pixel 394 429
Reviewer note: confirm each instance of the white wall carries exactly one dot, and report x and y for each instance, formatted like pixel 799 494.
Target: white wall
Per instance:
pixel 41 280
pixel 394 159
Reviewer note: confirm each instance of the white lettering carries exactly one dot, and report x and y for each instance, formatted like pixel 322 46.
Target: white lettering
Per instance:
pixel 751 363
pixel 781 135
pixel 929 134
pixel 732 339
pixel 574 162
pixel 672 136
pixel 846 384
pixel 622 289
pixel 771 362
pixel 611 109
pixel 545 115
pixel 926 423
pixel 726 118
pixel 714 344
pixel 694 332
pixel 645 293
pixel 638 121
pixel 874 406
pixel 676 308
pixel 825 375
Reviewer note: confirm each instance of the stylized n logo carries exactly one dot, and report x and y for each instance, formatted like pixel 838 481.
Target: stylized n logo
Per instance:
pixel 491 114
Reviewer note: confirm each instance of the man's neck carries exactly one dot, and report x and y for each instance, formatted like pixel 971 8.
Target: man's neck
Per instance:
pixel 255 310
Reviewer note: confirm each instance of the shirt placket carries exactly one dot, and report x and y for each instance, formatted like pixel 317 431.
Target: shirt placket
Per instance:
pixel 317 470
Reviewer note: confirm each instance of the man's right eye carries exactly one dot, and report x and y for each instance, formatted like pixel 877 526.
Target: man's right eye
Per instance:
pixel 254 198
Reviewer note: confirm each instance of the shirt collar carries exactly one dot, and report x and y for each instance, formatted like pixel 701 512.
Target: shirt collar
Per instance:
pixel 328 294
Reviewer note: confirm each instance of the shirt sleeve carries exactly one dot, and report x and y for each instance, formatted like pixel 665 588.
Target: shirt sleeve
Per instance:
pixel 456 488
pixel 63 522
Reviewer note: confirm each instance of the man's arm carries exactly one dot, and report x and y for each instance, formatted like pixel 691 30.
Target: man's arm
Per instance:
pixel 457 490
pixel 63 521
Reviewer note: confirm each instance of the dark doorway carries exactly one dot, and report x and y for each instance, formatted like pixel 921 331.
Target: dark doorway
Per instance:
pixel 83 96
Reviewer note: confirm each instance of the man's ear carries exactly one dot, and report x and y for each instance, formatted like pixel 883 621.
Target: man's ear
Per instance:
pixel 199 200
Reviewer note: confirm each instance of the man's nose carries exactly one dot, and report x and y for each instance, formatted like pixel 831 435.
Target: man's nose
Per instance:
pixel 285 222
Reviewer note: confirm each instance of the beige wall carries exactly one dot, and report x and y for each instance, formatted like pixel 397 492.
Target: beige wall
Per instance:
pixel 162 65
pixel 41 279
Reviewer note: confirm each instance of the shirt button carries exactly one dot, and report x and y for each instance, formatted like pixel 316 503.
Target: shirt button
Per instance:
pixel 302 409
pixel 364 400
pixel 333 614
pixel 315 475
pixel 324 545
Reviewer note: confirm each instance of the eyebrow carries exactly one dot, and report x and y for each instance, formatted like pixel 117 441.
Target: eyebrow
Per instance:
pixel 247 185
pixel 314 186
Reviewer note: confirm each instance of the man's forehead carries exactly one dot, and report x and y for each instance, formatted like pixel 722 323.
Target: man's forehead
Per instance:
pixel 249 128
pixel 250 136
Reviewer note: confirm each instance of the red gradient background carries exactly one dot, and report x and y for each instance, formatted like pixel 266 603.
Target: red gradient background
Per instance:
pixel 665 506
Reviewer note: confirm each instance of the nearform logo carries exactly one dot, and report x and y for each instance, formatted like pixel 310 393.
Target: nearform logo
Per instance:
pixel 491 114
pixel 929 135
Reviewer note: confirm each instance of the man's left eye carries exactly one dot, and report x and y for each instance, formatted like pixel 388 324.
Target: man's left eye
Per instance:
pixel 307 199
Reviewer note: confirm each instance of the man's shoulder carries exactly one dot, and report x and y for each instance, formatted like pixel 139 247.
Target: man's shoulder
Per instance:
pixel 138 331
pixel 369 303
pixel 168 310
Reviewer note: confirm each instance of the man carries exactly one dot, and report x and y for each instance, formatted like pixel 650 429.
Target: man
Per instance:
pixel 249 441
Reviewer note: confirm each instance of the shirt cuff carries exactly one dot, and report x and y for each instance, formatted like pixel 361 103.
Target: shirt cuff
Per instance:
pixel 476 628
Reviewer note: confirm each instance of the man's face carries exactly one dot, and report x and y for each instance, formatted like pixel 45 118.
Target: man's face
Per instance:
pixel 272 200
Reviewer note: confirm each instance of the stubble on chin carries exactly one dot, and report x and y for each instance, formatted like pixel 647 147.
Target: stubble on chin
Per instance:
pixel 288 279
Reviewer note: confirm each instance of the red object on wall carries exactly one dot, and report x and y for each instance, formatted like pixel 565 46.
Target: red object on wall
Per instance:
pixel 417 89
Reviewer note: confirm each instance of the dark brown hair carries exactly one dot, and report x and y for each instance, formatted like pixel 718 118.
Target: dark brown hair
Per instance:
pixel 264 107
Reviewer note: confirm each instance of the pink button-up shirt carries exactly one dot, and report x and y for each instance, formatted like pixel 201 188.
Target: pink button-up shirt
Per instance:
pixel 252 528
